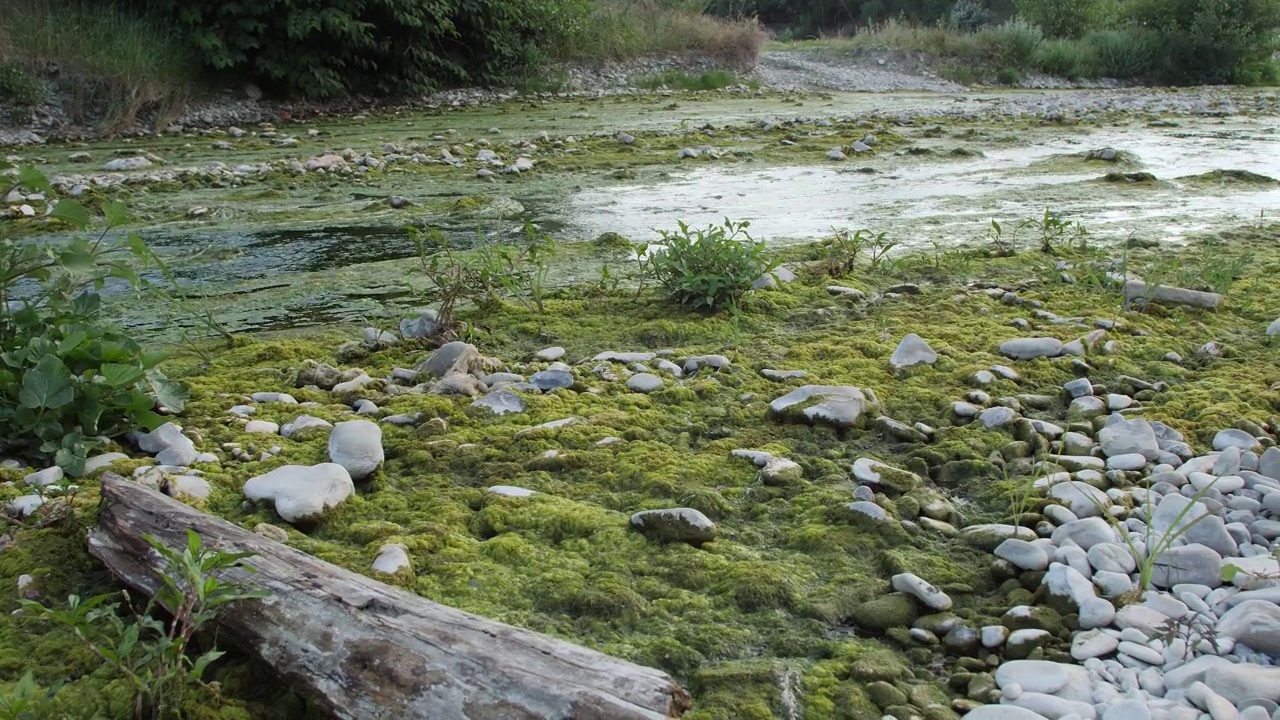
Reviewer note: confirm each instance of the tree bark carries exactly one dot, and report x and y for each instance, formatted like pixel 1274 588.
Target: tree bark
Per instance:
pixel 365 650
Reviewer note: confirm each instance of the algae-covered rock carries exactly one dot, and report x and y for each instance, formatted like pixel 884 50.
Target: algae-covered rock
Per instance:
pixel 887 611
pixel 301 493
pixel 450 356
pixel 493 207
pixel 357 446
pixel 304 426
pixel 320 374
pixel 880 476
pixel 675 525
pixel 842 406
pixel 989 536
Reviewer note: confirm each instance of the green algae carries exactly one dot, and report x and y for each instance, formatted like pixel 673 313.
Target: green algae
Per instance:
pixel 770 596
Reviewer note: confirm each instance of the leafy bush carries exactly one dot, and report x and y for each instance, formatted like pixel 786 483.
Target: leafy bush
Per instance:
pixel 1013 43
pixel 676 79
pixel 1213 41
pixel 18 87
pixel 1065 58
pixel 151 655
pixel 1063 18
pixel 1124 53
pixel 67 375
pixel 968 15
pixel 396 47
pixel 712 267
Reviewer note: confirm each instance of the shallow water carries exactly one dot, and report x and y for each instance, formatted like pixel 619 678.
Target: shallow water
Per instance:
pixel 794 203
pixel 300 254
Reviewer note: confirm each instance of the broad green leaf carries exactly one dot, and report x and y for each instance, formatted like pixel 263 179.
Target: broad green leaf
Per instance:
pixel 167 392
pixel 72 212
pixel 116 213
pixel 48 385
pixel 121 375
pixel 71 342
pixel 31 177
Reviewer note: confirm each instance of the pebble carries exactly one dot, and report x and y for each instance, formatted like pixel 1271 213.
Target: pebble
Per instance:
pixel 927 594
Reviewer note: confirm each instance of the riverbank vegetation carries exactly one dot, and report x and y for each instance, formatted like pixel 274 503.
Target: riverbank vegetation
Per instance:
pixel 1178 43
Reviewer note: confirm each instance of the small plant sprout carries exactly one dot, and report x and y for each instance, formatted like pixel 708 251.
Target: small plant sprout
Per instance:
pixel 156 656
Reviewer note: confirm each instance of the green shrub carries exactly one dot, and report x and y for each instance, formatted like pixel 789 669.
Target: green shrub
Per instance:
pixel 1124 53
pixel 154 656
pixel 623 29
pixel 676 79
pixel 968 16
pixel 1012 44
pixel 1064 18
pixel 68 375
pixel 396 47
pixel 18 87
pixel 712 267
pixel 1212 41
pixel 1065 58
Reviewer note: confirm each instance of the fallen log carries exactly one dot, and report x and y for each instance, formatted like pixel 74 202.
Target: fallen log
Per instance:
pixel 363 649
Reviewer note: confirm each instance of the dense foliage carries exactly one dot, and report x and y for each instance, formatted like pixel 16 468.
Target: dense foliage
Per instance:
pixel 326 49
pixel 1214 41
pixel 68 376
pixel 712 267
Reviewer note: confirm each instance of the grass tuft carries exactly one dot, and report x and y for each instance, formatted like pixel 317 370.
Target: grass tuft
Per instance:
pixel 112 64
pixel 620 30
pixel 680 80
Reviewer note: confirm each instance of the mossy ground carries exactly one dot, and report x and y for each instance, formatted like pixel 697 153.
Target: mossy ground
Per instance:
pixel 760 619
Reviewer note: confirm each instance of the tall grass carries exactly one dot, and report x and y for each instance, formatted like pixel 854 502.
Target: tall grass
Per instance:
pixel 111 64
pixel 621 29
pixel 1008 49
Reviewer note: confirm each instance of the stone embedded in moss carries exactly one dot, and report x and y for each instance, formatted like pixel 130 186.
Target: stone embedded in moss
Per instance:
pixel 675 525
pixel 885 694
pixel 842 406
pixel 881 476
pixel 892 610
pixel 301 493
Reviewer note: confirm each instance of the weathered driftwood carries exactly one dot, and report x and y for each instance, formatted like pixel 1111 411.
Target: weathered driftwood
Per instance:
pixel 1170 295
pixel 363 649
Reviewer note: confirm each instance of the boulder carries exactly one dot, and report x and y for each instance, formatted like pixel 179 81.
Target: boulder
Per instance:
pixel 357 446
pixel 301 493
pixel 675 525
pixel 842 406
pixel 1031 348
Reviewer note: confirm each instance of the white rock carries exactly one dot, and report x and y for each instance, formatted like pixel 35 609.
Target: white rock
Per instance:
pixel 301 493
pixel 1092 644
pixel 261 426
pixel 1083 500
pixel 99 462
pixel 510 491
pixel 1219 708
pixel 1023 555
pixel 187 486
pixel 24 505
pixel 392 558
pixel 273 397
pixel 993 636
pixel 357 446
pixel 1127 710
pixel 911 351
pixel 1244 681
pixel 1002 712
pixel 1255 623
pixel 1141 652
pixel 304 424
pixel 1130 436
pixel 927 594
pixel 44 478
